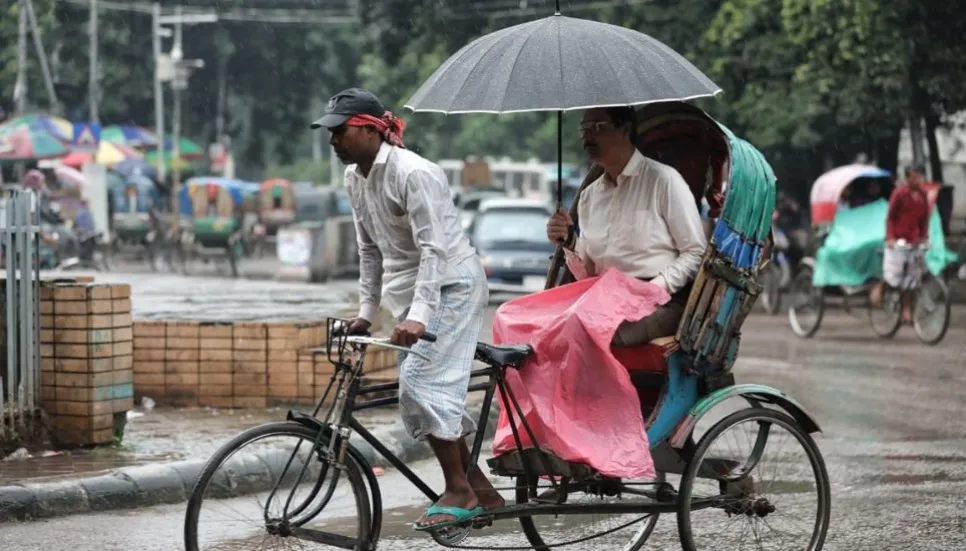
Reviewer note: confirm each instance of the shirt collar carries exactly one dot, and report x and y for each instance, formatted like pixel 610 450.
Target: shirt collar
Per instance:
pixel 631 169
pixel 382 157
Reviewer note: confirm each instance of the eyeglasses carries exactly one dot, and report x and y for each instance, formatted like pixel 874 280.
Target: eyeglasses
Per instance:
pixel 594 127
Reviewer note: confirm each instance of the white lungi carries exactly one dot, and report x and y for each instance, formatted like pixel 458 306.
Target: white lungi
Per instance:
pixel 894 268
pixel 432 395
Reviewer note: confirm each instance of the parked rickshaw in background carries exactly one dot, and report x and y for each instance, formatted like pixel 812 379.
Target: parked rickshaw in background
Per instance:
pixel 276 209
pixel 137 225
pixel 849 206
pixel 217 227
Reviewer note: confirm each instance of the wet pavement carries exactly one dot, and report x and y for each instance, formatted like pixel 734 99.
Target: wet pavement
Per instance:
pixel 160 435
pixel 894 442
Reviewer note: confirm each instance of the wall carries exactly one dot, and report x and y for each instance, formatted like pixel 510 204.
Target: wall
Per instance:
pixel 238 365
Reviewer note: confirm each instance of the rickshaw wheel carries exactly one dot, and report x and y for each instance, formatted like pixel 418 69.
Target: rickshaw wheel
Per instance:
pixel 887 326
pixel 802 285
pixel 771 295
pixel 942 304
pixel 738 492
pixel 635 543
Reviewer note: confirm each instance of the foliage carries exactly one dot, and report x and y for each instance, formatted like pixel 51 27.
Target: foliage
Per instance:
pixel 811 82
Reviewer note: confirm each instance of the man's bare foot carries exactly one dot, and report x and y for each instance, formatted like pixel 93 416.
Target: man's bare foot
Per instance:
pixel 486 494
pixel 465 499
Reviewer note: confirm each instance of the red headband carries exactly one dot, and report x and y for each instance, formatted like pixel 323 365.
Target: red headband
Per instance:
pixel 390 126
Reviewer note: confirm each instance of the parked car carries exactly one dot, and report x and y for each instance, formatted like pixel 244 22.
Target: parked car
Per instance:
pixel 469 203
pixel 511 238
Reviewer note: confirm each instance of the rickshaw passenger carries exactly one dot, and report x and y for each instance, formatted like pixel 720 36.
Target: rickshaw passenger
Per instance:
pixel 908 219
pixel 640 217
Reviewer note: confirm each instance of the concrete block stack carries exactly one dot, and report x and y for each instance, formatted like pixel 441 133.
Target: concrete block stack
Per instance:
pixel 86 351
pixel 215 364
pixel 241 364
pixel 250 365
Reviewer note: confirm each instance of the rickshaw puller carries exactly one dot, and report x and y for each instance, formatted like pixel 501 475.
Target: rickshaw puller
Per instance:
pixel 640 217
pixel 908 219
pixel 416 259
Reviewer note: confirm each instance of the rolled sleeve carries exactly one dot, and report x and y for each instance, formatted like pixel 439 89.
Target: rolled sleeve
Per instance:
pixel 423 197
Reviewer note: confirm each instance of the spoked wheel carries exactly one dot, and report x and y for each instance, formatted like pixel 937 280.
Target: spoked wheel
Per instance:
pixel 931 316
pixel 627 532
pixel 807 304
pixel 887 317
pixel 268 489
pixel 771 297
pixel 766 480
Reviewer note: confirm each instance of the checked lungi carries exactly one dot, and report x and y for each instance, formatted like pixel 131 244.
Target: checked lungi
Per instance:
pixel 432 394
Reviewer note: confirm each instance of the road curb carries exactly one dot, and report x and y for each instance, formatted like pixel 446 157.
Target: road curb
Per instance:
pixel 165 483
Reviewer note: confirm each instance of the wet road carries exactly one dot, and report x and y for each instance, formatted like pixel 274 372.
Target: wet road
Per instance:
pixel 894 441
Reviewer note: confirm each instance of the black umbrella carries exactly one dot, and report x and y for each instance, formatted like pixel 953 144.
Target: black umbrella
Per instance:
pixel 559 64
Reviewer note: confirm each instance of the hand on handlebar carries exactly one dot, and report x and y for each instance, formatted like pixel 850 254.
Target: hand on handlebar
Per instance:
pixel 407 333
pixel 356 326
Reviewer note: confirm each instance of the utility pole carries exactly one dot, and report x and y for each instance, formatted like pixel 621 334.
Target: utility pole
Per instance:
pixel 179 82
pixel 159 90
pixel 20 88
pixel 38 43
pixel 92 78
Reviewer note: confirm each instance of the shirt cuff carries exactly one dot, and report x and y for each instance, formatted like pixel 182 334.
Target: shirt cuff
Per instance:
pixel 662 283
pixel 368 311
pixel 420 312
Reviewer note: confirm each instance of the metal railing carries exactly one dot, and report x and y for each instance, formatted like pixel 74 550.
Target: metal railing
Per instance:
pixel 20 361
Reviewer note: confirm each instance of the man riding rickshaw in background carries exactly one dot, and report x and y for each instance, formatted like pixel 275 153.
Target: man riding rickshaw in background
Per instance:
pixel 907 220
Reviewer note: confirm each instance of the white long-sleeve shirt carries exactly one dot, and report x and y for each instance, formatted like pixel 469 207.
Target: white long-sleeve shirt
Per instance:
pixel 408 231
pixel 646 225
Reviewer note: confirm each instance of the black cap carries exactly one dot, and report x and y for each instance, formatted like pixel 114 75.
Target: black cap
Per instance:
pixel 354 101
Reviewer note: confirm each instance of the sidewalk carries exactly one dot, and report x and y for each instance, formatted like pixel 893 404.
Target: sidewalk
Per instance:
pixel 160 458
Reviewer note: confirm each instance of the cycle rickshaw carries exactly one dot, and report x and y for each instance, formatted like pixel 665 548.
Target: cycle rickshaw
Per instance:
pixel 849 206
pixel 217 214
pixel 680 380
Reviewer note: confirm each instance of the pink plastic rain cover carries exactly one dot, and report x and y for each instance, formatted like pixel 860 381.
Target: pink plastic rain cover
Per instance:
pixel 576 396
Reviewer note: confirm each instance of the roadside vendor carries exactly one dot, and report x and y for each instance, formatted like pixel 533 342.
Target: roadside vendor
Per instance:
pixel 639 217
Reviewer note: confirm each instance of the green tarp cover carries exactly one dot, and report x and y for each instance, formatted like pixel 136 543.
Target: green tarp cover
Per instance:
pixel 850 254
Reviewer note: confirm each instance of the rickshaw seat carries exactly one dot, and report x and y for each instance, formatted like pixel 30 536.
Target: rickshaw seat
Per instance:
pixel 650 357
pixel 510 356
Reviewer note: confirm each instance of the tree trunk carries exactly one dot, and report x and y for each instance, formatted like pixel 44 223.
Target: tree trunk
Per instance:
pixel 935 162
pixel 887 152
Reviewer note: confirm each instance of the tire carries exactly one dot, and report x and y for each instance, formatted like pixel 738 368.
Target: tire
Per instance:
pixel 888 326
pixel 351 470
pixel 760 415
pixel 945 308
pixel 533 535
pixel 800 285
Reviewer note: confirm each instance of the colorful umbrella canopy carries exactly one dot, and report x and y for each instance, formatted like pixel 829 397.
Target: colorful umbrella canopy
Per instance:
pixel 58 127
pixel 189 150
pixel 22 143
pixel 70 177
pixel 108 154
pixel 129 135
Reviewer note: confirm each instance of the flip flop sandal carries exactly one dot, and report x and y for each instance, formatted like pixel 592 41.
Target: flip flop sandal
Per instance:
pixel 459 514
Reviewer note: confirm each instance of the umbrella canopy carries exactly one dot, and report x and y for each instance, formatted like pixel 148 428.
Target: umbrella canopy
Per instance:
pixel 58 127
pixel 70 177
pixel 827 190
pixel 559 64
pixel 129 135
pixel 22 143
pixel 108 154
pixel 189 150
